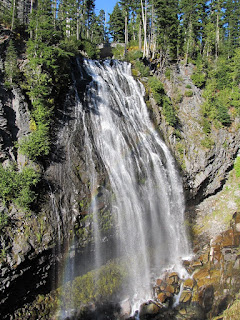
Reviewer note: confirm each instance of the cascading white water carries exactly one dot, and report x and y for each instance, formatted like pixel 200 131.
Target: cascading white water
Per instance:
pixel 148 206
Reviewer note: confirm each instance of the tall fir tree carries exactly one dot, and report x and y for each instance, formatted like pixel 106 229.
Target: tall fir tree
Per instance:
pixel 11 67
pixel 167 26
pixel 117 24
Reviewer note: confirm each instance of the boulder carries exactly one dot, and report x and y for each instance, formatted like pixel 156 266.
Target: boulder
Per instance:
pixel 188 284
pixel 185 297
pixel 162 297
pixel 125 308
pixel 148 309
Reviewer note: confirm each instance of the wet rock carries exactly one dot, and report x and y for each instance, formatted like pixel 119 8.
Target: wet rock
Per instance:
pixel 188 284
pixel 125 309
pixel 170 289
pixel 159 282
pixel 162 297
pixel 185 297
pixel 206 297
pixel 148 309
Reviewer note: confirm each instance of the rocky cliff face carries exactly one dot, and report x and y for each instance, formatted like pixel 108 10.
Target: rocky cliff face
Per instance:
pixel 204 161
pixel 34 243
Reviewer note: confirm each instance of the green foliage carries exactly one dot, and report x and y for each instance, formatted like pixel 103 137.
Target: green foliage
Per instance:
pixel 188 86
pixel 207 142
pixel 157 89
pixel 133 55
pixel 199 79
pixel 118 52
pixel 3 221
pixel 199 75
pixel 177 97
pixel 223 115
pixel 232 311
pixel 168 73
pixel 17 186
pixel 167 26
pixel 188 93
pixel 11 67
pixel 36 144
pixel 206 126
pixel 89 48
pixel 237 167
pixel 117 24
pixel 5 14
pixel 96 285
pixel 144 70
pixel 47 75
pixel 163 100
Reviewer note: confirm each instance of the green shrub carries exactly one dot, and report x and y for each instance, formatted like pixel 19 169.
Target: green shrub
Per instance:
pixel 90 49
pixel 177 97
pixel 169 112
pixel 135 73
pixel 206 126
pixel 36 144
pixel 94 285
pixel 188 93
pixel 168 73
pixel 232 312
pixel 237 167
pixel 207 142
pixel 3 220
pixel 163 100
pixel 118 52
pixel 188 86
pixel 199 79
pixel 223 115
pixel 17 186
pixel 157 89
pixel 133 55
pixel 144 70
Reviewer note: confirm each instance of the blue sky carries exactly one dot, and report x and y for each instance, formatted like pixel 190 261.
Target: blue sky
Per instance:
pixel 106 5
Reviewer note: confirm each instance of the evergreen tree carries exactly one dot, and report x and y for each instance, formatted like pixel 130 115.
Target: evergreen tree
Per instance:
pixel 117 24
pixel 11 68
pixel 232 26
pixel 193 15
pixel 167 26
pixel 89 6
pixel 98 28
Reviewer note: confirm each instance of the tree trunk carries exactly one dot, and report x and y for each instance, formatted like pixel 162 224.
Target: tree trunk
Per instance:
pixel 78 29
pixel 13 14
pixel 126 33
pixel 31 10
pixel 217 34
pixel 188 41
pixel 140 36
pixel 144 20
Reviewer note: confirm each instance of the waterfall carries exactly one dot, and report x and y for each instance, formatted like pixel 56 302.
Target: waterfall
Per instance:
pixel 148 207
pixel 147 202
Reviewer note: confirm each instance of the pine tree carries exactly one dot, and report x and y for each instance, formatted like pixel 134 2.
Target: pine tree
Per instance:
pixel 167 26
pixel 98 28
pixel 193 16
pixel 232 26
pixel 117 24
pixel 11 68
